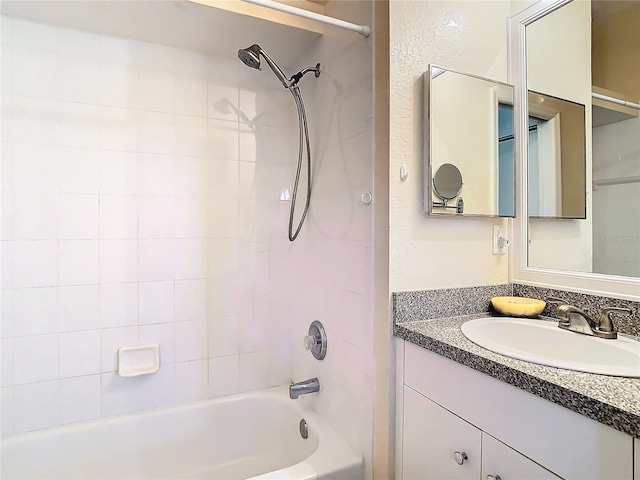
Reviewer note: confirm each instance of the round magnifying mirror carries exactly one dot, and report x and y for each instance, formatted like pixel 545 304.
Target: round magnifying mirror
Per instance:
pixel 447 181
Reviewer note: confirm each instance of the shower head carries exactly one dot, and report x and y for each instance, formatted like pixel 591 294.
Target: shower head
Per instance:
pixel 250 56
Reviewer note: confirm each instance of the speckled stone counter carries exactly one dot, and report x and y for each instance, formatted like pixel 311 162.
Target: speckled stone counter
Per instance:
pixel 613 401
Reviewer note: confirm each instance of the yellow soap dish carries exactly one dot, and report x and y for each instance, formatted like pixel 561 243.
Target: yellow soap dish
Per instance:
pixel 518 306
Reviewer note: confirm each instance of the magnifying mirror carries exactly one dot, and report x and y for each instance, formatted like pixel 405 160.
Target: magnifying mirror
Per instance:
pixel 447 182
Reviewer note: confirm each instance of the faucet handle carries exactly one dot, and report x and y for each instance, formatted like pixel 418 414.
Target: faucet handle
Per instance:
pixel 606 322
pixel 557 301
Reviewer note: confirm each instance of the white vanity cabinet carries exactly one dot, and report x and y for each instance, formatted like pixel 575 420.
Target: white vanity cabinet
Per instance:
pixel 503 430
pixel 440 445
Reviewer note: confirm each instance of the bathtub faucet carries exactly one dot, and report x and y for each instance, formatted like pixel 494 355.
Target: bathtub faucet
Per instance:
pixel 304 387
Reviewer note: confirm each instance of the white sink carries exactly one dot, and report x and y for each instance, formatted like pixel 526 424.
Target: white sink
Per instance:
pixel 542 342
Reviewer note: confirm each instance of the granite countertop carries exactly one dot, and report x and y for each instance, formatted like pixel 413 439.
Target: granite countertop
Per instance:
pixel 613 401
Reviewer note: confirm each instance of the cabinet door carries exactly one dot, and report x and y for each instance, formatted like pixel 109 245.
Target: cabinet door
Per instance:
pixel 500 460
pixel 431 438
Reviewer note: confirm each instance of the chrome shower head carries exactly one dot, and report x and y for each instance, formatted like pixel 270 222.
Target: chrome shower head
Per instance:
pixel 250 56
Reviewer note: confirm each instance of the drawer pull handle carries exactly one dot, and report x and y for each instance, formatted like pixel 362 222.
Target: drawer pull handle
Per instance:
pixel 494 477
pixel 460 457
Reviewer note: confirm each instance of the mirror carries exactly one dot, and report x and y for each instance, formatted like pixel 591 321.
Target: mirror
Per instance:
pixel 557 158
pixel 447 184
pixel 468 135
pixel 565 49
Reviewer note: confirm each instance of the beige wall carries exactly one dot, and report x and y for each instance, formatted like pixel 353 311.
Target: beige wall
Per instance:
pixel 559 64
pixel 427 252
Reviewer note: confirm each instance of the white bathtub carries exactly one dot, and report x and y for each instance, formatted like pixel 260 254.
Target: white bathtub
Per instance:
pixel 254 435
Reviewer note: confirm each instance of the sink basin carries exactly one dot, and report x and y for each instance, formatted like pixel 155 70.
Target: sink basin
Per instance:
pixel 542 342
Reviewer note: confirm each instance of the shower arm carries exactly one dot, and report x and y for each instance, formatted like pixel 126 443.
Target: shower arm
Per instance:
pixel 296 78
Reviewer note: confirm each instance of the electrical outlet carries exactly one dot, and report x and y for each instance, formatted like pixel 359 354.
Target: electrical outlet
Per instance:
pixel 499 243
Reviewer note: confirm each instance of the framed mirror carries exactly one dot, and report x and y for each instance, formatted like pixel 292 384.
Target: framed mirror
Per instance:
pixel 469 145
pixel 556 49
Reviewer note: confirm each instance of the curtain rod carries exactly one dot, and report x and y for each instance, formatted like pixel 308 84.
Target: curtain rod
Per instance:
pixel 617 101
pixel 363 30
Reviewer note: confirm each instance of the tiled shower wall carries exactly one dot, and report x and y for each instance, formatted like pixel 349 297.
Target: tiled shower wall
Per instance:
pixel 137 208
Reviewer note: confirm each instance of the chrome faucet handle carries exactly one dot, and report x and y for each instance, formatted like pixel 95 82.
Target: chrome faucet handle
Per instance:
pixel 606 322
pixel 557 301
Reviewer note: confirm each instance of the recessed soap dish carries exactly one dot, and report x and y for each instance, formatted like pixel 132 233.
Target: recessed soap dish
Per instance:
pixel 136 361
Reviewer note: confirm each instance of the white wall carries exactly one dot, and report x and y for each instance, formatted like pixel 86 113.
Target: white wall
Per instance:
pixel 428 252
pixel 559 64
pixel 135 209
pixel 616 222
pixel 327 273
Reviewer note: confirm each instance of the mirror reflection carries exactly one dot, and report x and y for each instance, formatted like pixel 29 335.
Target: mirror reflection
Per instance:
pixel 569 58
pixel 469 145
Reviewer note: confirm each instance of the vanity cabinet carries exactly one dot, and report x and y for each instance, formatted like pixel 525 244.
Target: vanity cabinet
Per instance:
pixel 504 430
pixel 440 445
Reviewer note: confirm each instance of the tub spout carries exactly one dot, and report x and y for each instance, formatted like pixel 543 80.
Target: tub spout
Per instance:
pixel 304 387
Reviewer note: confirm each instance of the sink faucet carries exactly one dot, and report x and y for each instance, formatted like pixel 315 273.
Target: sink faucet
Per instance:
pixel 577 320
pixel 302 388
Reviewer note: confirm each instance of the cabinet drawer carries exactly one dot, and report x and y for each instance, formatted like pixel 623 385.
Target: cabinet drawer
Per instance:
pixel 500 460
pixel 431 437
pixel 565 442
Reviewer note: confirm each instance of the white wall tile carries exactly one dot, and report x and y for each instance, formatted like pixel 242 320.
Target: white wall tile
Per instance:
pixel 190 96
pixel 35 359
pixel 163 335
pixel 117 50
pixel 111 339
pixel 118 261
pixel 190 176
pixel 35 406
pixel 119 129
pixel 254 371
pixel 79 353
pixel 79 399
pixel 78 43
pixel 6 357
pixel 151 55
pixel 6 213
pixel 155 90
pixel 191 340
pixel 224 257
pixel 34 216
pixel 34 168
pixel 77 216
pixel 79 171
pixel 190 301
pixel 35 263
pixel 118 216
pixel 6 164
pixel 190 136
pixel 33 35
pixel 6 313
pixel 118 82
pixel 155 132
pixel 118 173
pixel 224 336
pixel 192 380
pixel 6 410
pixel 149 253
pixel 34 73
pixel 119 395
pixel 223 218
pixel 118 305
pixel 78 262
pixel 79 79
pixel 155 217
pixel 155 302
pixel 224 375
pixel 79 308
pixel 190 218
pixel 223 139
pixel 155 174
pixel 6 272
pixel 222 102
pixel 224 179
pixel 35 311
pixel 190 259
pixel 34 121
pixel 79 125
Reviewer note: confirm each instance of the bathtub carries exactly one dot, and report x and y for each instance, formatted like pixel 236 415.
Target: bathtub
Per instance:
pixel 254 435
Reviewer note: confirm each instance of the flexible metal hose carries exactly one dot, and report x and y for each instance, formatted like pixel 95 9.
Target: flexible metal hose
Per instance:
pixel 304 145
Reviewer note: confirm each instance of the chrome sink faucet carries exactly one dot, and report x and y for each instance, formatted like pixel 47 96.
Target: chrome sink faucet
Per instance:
pixel 302 388
pixel 577 320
